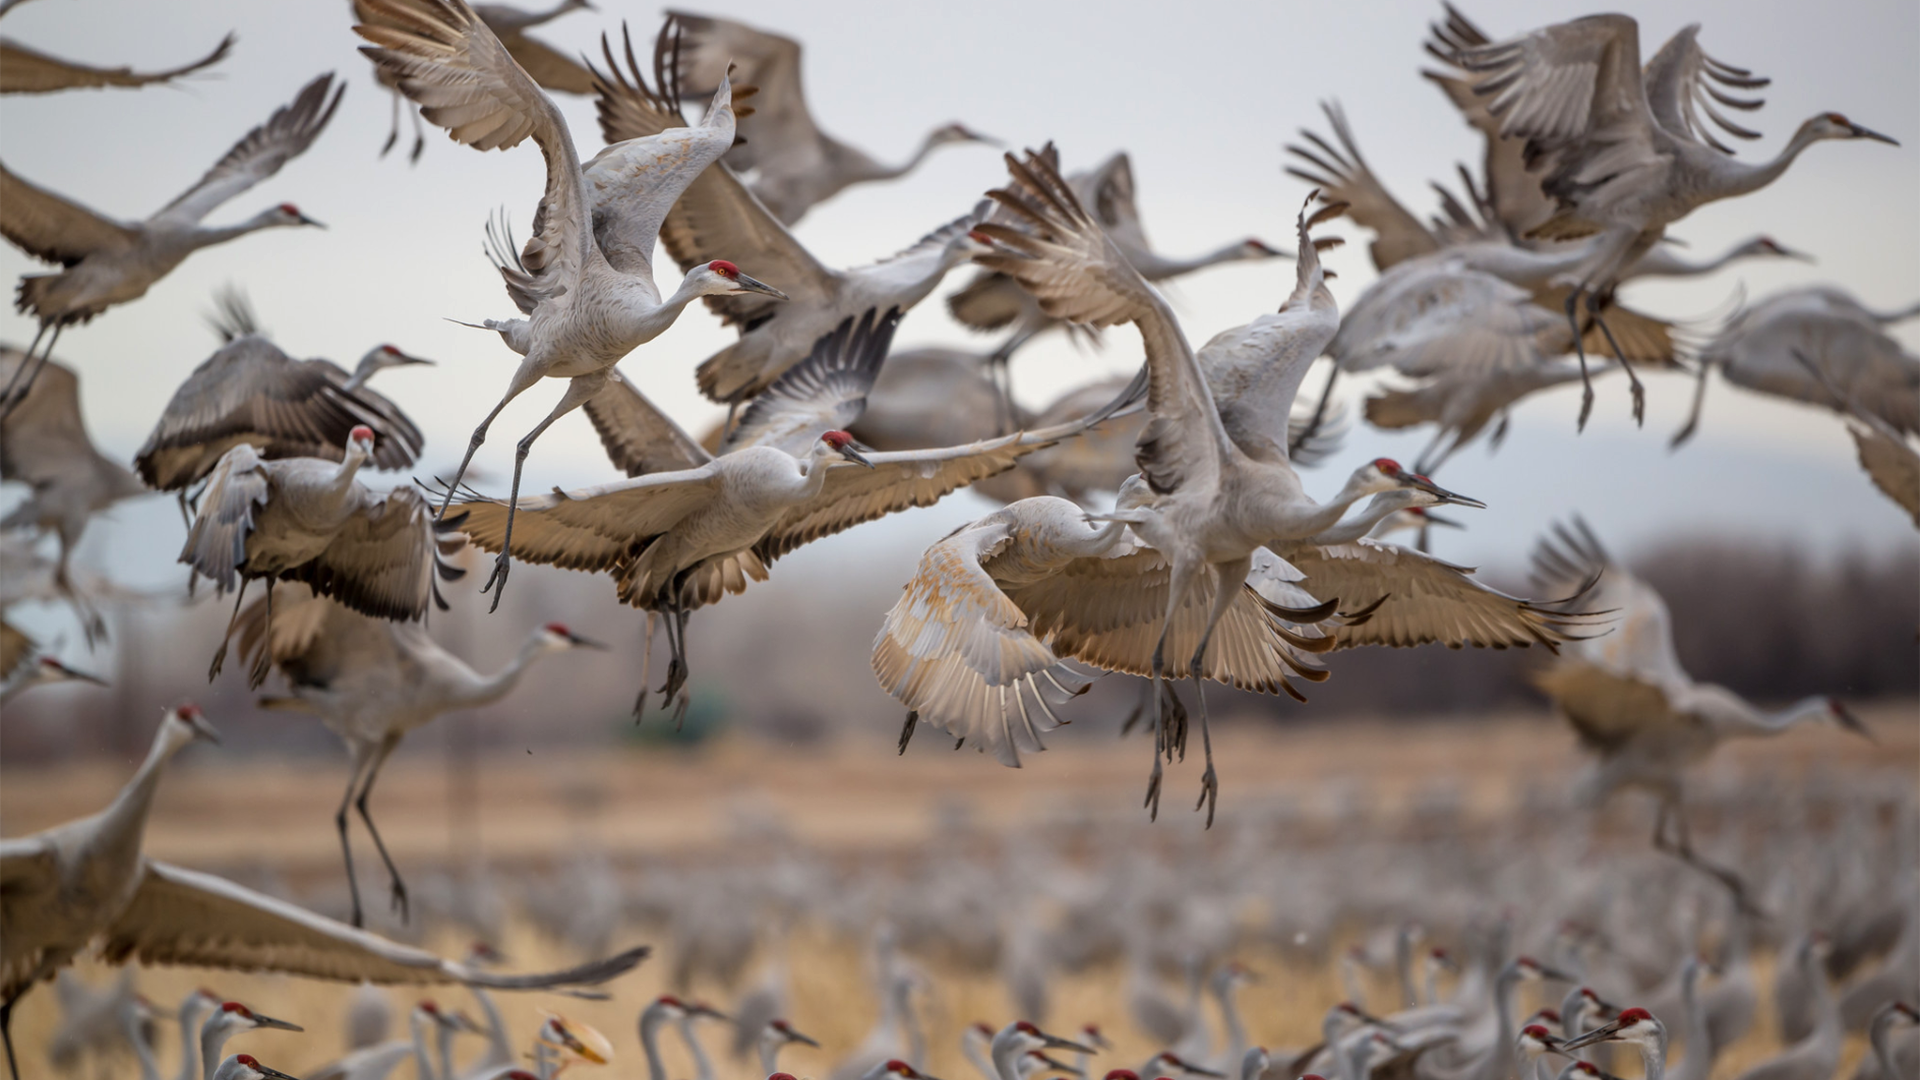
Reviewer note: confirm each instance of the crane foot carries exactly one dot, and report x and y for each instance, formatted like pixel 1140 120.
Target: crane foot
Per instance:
pixel 399 899
pixel 1152 802
pixel 906 730
pixel 497 581
pixel 1586 409
pixel 1209 793
pixel 1639 404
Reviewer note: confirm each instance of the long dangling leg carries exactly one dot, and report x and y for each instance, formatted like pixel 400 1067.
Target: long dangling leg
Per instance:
pixel 419 137
pixel 686 693
pixel 362 755
pixel 1693 414
pixel 1179 580
pixel 578 391
pixel 20 371
pixel 1580 351
pixel 6 1031
pixel 1639 391
pixel 220 656
pixel 1228 580
pixel 473 445
pixel 393 129
pixel 399 887
pixel 1680 846
pixel 1426 463
pixel 12 399
pixel 646 666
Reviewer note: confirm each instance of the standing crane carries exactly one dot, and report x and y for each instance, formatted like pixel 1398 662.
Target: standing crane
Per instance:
pixel 547 66
pixel 109 262
pixel 45 445
pixel 230 1019
pixel 25 70
pixel 1871 373
pixel 251 392
pixel 1633 705
pixel 585 278
pixel 309 519
pixel 246 1067
pixel 694 527
pixel 718 216
pixel 794 163
pixel 1638 1028
pixel 1213 501
pixel 372 682
pixel 134 907
pixel 1623 152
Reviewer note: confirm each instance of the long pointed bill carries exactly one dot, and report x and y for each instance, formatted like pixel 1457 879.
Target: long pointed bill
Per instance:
pixel 83 676
pixel 1415 480
pixel 305 220
pixel 1599 1034
pixel 1841 715
pixel 795 1036
pixel 748 284
pixel 407 358
pixel 275 1074
pixel 588 643
pixel 1868 133
pixel 1055 1042
pixel 855 456
pixel 270 1022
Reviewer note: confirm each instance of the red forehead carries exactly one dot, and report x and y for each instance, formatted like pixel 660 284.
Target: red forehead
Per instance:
pixel 1386 465
pixel 1024 1025
pixel 289 208
pixel 724 268
pixel 360 433
pixel 390 350
pixel 189 711
pixel 236 1007
pixel 838 439
pixel 1635 1015
pixel 248 1060
pixel 558 628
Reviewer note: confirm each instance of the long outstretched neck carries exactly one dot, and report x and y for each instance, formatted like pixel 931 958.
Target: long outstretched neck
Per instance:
pixel 1897 315
pixel 1503 1008
pixel 1742 179
pixel 551 13
pixel 877 171
pixel 422 1064
pixel 1159 268
pixel 1381 508
pixel 135 1032
pixel 650 1021
pixel 1653 1059
pixel 191 1013
pixel 1773 723
pixel 208 237
pixel 123 825
pixel 491 688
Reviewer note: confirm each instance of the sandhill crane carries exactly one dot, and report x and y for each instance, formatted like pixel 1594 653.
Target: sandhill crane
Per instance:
pixel 993 301
pixel 1884 449
pixel 1011 1044
pixel 377 1060
pixel 683 538
pixel 45 445
pixel 1626 152
pixel 1215 498
pixel 1818 1053
pixel 1635 707
pixel 665 1010
pixel 775 1036
pixel 309 519
pixel 1637 1027
pixel 585 278
pixel 794 163
pixel 372 682
pixel 139 908
pixel 246 1067
pixel 25 70
pixel 1873 373
pixel 230 1019
pixel 109 262
pixel 545 65
pixel 94 1023
pixel 1166 1063
pixel 43 671
pixel 251 392
pixel 1460 405
pixel 719 216
pixel 1883 1054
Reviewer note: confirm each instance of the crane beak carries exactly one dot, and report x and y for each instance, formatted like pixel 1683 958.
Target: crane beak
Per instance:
pixel 703 1009
pixel 1557 975
pixel 746 284
pixel 270 1022
pixel 276 1074
pixel 1057 1065
pixel 798 1037
pixel 1859 132
pixel 408 358
pixel 1599 1034
pixel 579 642
pixel 855 456
pixel 1195 1070
pixel 82 676
pixel 1846 719
pixel 1055 1042
pixel 305 220
pixel 201 728
pixel 1415 480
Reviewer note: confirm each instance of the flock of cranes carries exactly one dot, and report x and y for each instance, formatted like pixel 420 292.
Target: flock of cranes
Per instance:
pixel 1158 526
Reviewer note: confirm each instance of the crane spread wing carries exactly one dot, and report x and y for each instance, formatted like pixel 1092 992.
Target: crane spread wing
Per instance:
pixel 1107 191
pixel 250 391
pixel 260 153
pixel 1512 192
pixel 180 916
pixel 548 66
pixel 1683 82
pixel 634 184
pixel 1574 92
pixel 45 440
pixel 1641 643
pixel 638 437
pixel 30 71
pixel 382 561
pixel 1891 464
pixel 1433 316
pixel 53 229
pixel 1607 709
pixel 824 392
pixel 15 648
pixel 716 217
pixel 903 479
pixel 594 528
pixel 1865 364
pixel 1342 175
pixel 1108 612
pixel 960 654
pixel 1429 600
pixel 781 129
pixel 1061 256
pixel 465 81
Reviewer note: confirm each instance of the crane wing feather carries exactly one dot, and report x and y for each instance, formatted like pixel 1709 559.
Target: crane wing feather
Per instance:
pixel 824 392
pixel 595 528
pixel 638 437
pixel 1342 175
pixel 54 229
pixel 382 561
pixel 30 71
pixel 260 153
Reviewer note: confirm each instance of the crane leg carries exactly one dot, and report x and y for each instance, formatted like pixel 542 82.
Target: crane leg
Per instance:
pixel 1680 846
pixel 12 398
pixel 6 396
pixel 1228 578
pixel 1427 462
pixel 91 623
pixel 678 670
pixel 578 391
pixel 1179 580
pixel 1693 414
pixel 6 1032
pixel 646 666
pixel 906 731
pixel 419 137
pixel 359 768
pixel 393 128
pixel 399 887
pixel 1639 391
pixel 220 654
pixel 263 660
pixel 1580 351
pixel 1295 442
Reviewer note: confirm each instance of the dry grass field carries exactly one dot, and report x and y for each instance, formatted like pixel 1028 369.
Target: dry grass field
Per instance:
pixel 854 801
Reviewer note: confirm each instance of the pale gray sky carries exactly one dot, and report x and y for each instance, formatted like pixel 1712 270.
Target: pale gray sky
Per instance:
pixel 1203 96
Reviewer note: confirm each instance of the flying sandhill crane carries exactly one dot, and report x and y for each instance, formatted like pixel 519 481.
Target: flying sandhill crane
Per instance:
pixel 372 682
pixel 547 66
pixel 1873 373
pixel 1215 498
pixel 309 519
pixel 45 445
pixel 86 883
pixel 109 262
pixel 585 278
pixel 246 1067
pixel 1635 707
pixel 703 526
pixel 794 163
pixel 1885 451
pixel 993 301
pixel 29 671
pixel 25 70
pixel 718 217
pixel 251 392
pixel 1622 152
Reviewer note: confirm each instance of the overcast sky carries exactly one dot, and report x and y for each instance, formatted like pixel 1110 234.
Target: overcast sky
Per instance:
pixel 1203 96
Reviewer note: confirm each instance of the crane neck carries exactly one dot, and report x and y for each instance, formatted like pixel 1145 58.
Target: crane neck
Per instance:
pixel 1502 1050
pixel 1158 268
pixel 443 1046
pixel 1236 1030
pixel 1384 505
pixel 650 1020
pixel 499 1050
pixel 1736 178
pixel 770 1043
pixel 122 827
pixel 869 169
pixel 136 1038
pixel 1698 1062
pixel 487 689
pixel 702 1065
pixel 208 236
pixel 1653 1058
pixel 1773 723
pixel 538 17
pixel 192 1013
pixel 213 1039
pixel 1403 942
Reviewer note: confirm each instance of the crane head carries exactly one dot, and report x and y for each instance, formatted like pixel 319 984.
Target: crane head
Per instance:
pixel 959 133
pixel 52 670
pixel 360 440
pixel 1092 1036
pixel 1767 245
pixel 387 356
pixel 246 1019
pixel 556 636
pixel 189 714
pixel 1526 967
pixel 1846 719
pixel 255 1070
pixel 722 278
pixel 1536 1037
pixel 1121 1074
pixel 288 214
pixel 1255 248
pixel 1634 1025
pixel 1833 125
pixel 842 443
pixel 787 1032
